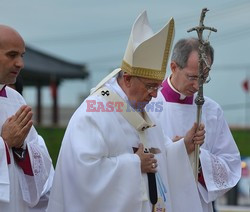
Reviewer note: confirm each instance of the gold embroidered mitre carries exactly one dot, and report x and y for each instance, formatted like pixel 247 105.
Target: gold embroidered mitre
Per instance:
pixel 147 53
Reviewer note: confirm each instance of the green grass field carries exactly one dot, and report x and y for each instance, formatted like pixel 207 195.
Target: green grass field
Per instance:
pixel 53 138
pixel 242 139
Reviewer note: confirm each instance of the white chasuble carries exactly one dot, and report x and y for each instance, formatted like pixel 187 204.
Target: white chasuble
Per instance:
pixel 98 171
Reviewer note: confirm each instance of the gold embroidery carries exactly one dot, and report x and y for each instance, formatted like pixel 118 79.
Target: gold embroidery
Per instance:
pixel 168 45
pixel 143 72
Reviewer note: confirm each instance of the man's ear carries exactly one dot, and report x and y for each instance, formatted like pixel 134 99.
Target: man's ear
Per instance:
pixel 127 79
pixel 173 66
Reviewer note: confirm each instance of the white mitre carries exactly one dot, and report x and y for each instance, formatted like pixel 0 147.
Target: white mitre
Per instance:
pixel 147 53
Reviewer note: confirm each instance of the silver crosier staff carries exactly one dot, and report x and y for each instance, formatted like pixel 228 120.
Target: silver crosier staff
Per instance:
pixel 204 68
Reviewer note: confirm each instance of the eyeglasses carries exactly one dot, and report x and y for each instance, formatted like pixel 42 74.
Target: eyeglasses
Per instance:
pixel 206 77
pixel 195 78
pixel 150 88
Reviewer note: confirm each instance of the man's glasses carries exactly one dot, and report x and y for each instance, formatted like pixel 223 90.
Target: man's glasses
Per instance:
pixel 195 78
pixel 150 88
pixel 206 76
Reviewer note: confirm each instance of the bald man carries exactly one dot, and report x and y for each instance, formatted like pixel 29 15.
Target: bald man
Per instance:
pixel 26 169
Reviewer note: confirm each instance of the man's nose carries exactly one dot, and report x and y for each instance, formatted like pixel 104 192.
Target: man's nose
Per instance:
pixel 196 85
pixel 19 62
pixel 154 93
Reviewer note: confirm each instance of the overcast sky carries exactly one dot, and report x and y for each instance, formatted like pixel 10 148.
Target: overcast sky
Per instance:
pixel 96 32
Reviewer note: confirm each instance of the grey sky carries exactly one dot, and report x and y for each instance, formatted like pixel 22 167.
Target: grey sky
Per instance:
pixel 84 31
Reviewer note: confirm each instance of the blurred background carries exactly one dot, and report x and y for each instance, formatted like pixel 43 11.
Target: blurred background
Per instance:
pixel 72 45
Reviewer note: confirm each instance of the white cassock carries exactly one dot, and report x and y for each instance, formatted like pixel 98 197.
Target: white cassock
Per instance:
pixel 21 192
pixel 219 155
pixel 98 171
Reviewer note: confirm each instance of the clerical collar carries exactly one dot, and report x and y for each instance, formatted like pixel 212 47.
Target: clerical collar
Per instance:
pixel 182 96
pixel 2 90
pixel 172 95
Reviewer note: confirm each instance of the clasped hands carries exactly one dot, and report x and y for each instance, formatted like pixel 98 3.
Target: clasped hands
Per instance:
pixel 16 128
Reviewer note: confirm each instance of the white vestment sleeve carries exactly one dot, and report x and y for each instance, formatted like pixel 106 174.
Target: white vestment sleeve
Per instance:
pixel 221 167
pixel 33 187
pixel 4 174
